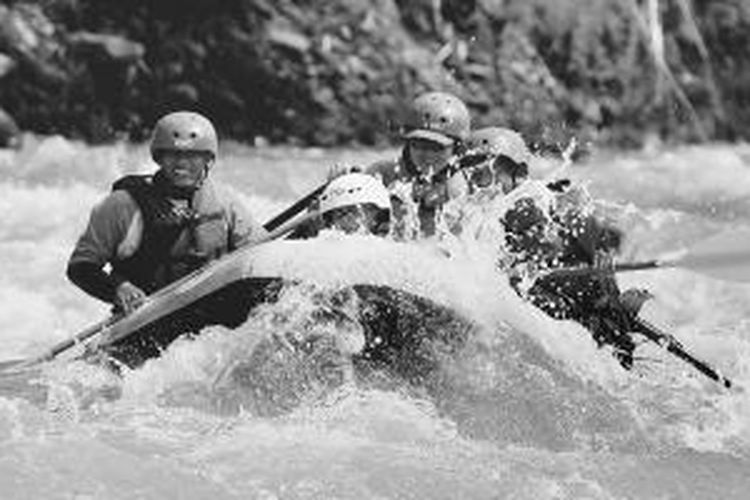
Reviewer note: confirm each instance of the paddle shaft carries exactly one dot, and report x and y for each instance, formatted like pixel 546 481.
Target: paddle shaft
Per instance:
pixel 65 344
pixel 625 266
pixel 673 346
pixel 298 207
pixel 639 266
pixel 79 337
pixel 651 332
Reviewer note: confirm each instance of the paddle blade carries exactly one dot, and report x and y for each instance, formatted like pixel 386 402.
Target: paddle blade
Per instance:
pixel 725 256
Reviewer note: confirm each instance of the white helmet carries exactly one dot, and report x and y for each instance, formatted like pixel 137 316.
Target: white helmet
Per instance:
pixel 354 189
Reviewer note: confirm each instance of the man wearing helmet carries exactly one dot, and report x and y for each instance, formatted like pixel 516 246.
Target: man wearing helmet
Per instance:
pixel 154 229
pixel 437 126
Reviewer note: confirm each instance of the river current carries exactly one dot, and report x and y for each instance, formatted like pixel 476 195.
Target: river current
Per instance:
pixel 530 409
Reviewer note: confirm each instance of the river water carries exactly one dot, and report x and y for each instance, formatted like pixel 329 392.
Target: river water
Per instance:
pixel 529 410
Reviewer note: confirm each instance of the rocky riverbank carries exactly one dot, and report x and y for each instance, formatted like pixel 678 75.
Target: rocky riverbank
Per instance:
pixel 341 72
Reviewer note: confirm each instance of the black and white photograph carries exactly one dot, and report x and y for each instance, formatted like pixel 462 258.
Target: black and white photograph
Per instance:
pixel 375 249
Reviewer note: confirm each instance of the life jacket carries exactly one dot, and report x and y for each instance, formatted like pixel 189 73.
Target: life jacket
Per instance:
pixel 403 181
pixel 176 239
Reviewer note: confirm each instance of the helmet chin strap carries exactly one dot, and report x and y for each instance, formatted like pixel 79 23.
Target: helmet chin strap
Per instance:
pixel 204 173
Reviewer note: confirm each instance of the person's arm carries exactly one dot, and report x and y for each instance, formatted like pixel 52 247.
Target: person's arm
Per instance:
pixel 92 279
pixel 112 231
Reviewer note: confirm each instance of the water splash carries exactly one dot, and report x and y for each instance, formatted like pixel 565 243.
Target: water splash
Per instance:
pixel 530 410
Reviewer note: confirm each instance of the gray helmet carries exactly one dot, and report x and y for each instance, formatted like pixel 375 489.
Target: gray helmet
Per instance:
pixel 439 117
pixel 498 141
pixel 184 131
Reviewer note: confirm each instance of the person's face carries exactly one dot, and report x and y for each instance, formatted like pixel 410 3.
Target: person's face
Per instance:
pixel 351 220
pixel 497 172
pixel 428 156
pixel 185 169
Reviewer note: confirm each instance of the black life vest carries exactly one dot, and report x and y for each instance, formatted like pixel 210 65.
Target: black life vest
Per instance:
pixel 176 239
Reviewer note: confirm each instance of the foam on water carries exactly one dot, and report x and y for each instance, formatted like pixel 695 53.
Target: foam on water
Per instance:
pixel 530 409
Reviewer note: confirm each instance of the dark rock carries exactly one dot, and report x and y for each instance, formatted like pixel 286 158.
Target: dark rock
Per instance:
pixel 10 134
pixel 343 71
pixel 287 37
pixel 27 33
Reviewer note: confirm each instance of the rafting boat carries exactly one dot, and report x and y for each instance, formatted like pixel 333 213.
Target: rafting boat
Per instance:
pixel 402 296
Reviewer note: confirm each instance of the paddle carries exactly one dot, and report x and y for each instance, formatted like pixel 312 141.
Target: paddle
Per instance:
pixel 672 345
pixel 299 206
pixel 725 256
pixel 52 352
pixel 276 228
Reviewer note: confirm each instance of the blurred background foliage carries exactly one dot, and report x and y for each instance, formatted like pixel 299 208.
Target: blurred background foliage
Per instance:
pixel 614 72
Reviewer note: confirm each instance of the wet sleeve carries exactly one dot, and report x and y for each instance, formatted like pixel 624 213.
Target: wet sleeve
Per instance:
pixel 93 280
pixel 107 228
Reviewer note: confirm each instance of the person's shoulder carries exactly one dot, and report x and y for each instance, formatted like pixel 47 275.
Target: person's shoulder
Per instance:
pixel 243 220
pixel 116 201
pixel 133 182
pixel 116 209
pixel 229 198
pixel 224 193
